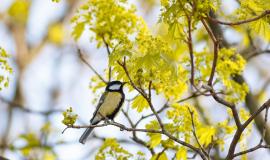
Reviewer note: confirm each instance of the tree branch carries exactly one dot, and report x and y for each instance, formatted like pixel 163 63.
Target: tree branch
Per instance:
pixel 194 132
pixel 260 145
pixel 123 127
pixel 251 150
pixel 240 130
pixel 266 12
pixel 13 104
pixel 123 65
pixel 252 117
pixel 215 59
pixel 152 114
pixel 190 47
pixel 210 81
pixel 257 53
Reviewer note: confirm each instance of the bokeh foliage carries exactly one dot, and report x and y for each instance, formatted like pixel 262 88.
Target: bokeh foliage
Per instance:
pixel 159 63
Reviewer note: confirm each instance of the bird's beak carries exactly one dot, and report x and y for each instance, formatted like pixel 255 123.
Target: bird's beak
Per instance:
pixel 124 83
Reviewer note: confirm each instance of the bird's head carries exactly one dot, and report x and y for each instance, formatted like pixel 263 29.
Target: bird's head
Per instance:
pixel 115 86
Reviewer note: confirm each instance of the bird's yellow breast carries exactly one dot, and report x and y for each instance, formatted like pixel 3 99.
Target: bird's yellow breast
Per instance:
pixel 110 103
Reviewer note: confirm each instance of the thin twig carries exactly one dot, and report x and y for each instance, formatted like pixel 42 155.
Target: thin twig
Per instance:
pixel 266 12
pixel 90 66
pixel 194 132
pixel 215 59
pixel 109 53
pixel 209 31
pixel 152 114
pixel 193 156
pixel 160 153
pixel 196 94
pixel 149 89
pixel 190 46
pixel 256 53
pixel 227 104
pixel 265 124
pixel 154 110
pixel 259 146
pixel 123 65
pixel 27 109
pixel 135 137
pixel 251 118
pixel 210 147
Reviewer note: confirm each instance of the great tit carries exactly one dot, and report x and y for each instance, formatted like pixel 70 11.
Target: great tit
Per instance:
pixel 108 106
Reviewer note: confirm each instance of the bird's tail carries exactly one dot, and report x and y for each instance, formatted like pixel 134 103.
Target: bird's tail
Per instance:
pixel 85 134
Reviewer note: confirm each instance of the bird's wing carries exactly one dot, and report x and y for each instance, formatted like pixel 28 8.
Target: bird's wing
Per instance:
pixel 100 102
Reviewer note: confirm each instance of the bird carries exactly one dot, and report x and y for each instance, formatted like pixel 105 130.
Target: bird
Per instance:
pixel 108 106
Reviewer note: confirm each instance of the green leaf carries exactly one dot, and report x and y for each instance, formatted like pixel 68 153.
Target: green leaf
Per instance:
pixel 139 103
pixel 176 30
pixel 78 30
pixel 111 149
pixel 262 28
pixel 181 154
pixel 163 156
pixel 205 135
pixel 5 67
pixel 69 117
pixel 155 140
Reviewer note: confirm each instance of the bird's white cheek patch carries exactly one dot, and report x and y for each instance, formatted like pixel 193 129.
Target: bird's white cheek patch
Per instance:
pixel 115 87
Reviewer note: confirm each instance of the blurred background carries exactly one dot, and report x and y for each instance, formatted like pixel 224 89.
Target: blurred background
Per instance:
pixel 48 77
